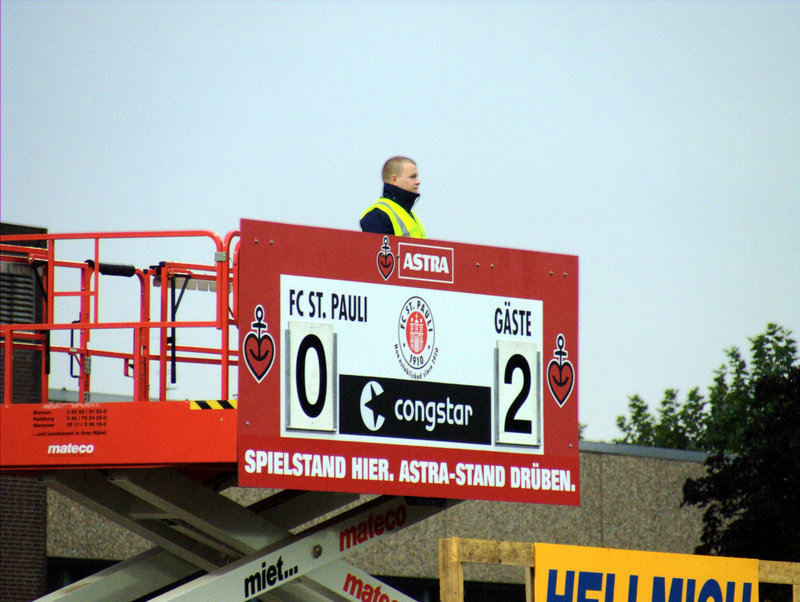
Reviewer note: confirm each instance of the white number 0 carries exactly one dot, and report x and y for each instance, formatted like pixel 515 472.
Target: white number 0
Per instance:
pixel 309 385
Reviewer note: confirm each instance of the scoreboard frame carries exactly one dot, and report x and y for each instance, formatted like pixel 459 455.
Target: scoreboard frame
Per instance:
pixel 379 364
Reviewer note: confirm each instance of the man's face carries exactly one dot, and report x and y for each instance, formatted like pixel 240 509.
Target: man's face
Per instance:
pixel 408 178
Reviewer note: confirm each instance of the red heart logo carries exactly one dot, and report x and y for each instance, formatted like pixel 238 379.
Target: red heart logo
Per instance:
pixel 560 378
pixel 259 353
pixel 385 264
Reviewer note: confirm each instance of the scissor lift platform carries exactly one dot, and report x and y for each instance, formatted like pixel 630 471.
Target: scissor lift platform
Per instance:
pixel 211 548
pixel 52 317
pixel 157 466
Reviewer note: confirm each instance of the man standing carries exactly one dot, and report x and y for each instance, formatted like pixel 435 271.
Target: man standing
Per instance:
pixel 392 214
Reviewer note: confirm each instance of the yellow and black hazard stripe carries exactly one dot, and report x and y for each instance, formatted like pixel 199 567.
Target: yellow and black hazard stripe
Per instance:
pixel 213 404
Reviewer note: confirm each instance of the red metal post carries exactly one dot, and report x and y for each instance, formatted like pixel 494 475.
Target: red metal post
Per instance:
pixel 85 362
pixel 162 371
pixel 141 342
pixel 144 367
pixel 223 297
pixel 96 292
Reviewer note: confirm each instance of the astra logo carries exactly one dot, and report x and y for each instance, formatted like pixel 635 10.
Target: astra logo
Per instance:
pixel 425 262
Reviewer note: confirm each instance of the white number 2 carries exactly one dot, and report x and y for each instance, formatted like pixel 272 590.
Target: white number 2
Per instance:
pixel 517 393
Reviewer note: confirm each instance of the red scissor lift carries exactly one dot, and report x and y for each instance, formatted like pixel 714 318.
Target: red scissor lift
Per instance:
pixel 149 431
pixel 152 464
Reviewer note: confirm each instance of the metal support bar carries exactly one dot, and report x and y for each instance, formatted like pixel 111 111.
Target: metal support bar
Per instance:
pixel 199 529
pixel 351 583
pixel 89 488
pixel 301 554
pixel 127 580
pixel 292 508
pixel 207 511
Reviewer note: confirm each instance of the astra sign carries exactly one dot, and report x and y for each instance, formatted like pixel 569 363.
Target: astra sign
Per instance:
pixel 378 364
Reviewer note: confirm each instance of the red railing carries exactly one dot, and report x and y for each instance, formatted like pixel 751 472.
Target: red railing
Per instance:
pixel 172 277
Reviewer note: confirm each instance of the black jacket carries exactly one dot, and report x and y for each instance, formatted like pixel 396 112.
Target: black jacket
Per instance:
pixel 377 221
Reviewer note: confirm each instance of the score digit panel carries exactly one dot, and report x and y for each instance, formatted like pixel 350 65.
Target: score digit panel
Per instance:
pixel 373 364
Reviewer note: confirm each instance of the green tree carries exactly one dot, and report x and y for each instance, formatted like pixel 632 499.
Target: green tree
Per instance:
pixel 751 498
pixel 732 397
pixel 750 425
pixel 677 425
pixel 718 423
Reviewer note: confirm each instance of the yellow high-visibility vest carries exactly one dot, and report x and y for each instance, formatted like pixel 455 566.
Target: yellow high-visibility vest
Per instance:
pixel 405 223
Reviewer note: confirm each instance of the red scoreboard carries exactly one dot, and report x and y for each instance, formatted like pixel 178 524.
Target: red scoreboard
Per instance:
pixel 378 364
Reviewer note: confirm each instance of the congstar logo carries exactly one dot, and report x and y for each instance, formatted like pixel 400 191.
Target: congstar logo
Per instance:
pixel 382 407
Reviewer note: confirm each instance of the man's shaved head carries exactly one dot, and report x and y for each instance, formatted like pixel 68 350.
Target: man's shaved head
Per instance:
pixel 394 167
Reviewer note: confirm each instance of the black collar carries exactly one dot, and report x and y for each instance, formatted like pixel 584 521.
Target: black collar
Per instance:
pixel 404 198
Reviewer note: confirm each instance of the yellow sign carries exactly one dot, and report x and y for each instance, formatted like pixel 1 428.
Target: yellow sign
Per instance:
pixel 581 574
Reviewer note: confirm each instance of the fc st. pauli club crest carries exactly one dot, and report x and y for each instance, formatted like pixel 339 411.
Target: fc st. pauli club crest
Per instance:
pixel 258 347
pixel 416 336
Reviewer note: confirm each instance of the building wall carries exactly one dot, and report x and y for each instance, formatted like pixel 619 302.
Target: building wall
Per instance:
pixel 23 519
pixel 23 499
pixel 630 498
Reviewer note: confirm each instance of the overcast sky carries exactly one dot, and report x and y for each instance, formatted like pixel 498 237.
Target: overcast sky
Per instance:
pixel 658 141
